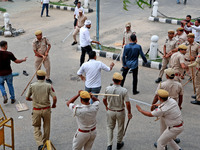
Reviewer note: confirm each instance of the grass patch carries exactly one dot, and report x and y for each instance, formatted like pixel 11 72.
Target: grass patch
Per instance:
pixel 180 19
pixel 60 3
pixel 108 49
pixel 2 9
pixel 159 59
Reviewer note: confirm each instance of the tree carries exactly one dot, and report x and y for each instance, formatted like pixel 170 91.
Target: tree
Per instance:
pixel 140 3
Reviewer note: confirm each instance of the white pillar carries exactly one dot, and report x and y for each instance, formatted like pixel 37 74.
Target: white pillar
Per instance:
pixel 155 9
pixel 86 3
pixel 6 21
pixel 153 53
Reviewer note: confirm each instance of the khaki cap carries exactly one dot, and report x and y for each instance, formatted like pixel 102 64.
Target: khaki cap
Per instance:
pixel 117 76
pixel 171 31
pixel 128 24
pixel 191 35
pixel 182 46
pixel 162 93
pixel 170 72
pixel 179 29
pixel 41 73
pixel 38 32
pixel 84 94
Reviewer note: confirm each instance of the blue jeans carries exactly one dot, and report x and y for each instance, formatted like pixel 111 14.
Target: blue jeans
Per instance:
pixel 47 9
pixel 93 90
pixel 178 1
pixel 9 81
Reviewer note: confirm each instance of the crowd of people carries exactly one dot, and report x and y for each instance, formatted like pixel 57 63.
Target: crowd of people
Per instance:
pixel 181 54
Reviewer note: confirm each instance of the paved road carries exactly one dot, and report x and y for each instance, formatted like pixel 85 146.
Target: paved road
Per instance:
pixel 142 131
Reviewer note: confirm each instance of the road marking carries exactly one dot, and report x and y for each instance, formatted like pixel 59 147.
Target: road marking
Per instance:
pixel 141 102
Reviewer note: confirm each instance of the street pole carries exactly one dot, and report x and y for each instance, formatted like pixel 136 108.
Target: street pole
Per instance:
pixel 97 23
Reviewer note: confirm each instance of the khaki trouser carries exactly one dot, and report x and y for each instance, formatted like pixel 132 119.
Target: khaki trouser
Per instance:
pixel 112 117
pixel 46 64
pixel 76 31
pixel 197 83
pixel 45 115
pixel 168 136
pixel 83 140
pixel 165 61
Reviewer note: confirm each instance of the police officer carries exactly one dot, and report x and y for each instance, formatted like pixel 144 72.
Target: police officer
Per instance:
pixel 39 93
pixel 180 36
pixel 115 110
pixel 175 91
pixel 41 47
pixel 177 62
pixel 197 80
pixel 169 111
pixel 86 120
pixel 192 51
pixel 170 44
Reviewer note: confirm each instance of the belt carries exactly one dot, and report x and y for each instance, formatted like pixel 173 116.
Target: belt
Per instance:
pixel 116 110
pixel 187 60
pixel 41 108
pixel 86 131
pixel 178 125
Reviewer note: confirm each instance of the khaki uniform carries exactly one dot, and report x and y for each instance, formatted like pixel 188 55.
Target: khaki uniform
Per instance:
pixel 169 111
pixel 116 111
pixel 40 92
pixel 194 52
pixel 81 21
pixel 180 39
pixel 175 63
pixel 41 47
pixel 197 79
pixel 86 120
pixel 170 44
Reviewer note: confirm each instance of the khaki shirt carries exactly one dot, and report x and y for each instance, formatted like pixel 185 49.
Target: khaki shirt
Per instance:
pixel 126 36
pixel 170 44
pixel 81 20
pixel 195 49
pixel 40 46
pixel 180 39
pixel 173 87
pixel 170 112
pixel 116 102
pixel 175 62
pixel 40 92
pixel 85 115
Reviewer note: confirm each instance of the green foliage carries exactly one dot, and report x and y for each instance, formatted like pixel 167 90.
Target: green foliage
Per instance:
pixel 2 9
pixel 140 3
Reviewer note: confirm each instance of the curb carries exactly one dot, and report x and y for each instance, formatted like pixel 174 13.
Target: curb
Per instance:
pixel 165 20
pixel 149 64
pixel 89 10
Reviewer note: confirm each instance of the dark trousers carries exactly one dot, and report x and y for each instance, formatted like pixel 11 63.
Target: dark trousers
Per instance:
pixel 47 9
pixel 135 79
pixel 84 50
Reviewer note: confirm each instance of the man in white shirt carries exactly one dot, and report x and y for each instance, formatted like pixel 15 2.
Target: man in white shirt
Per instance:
pixel 45 4
pixel 76 13
pixel 92 69
pixel 195 29
pixel 85 40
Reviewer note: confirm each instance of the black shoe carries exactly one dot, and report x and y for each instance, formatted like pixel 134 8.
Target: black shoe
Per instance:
pixel 13 101
pixel 195 102
pixel 49 81
pixel 48 16
pixel 158 80
pixel 136 92
pixel 5 99
pixel 178 3
pixel 25 73
pixel 177 140
pixel 40 147
pixel 122 69
pixel 120 145
pixel 194 96
pixel 131 71
pixel 74 43
pixel 155 145
pixel 109 147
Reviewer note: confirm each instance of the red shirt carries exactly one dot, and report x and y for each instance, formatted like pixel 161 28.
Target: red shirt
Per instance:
pixel 187 32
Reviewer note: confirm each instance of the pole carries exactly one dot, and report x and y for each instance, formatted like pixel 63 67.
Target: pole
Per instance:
pixel 126 127
pixel 97 22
